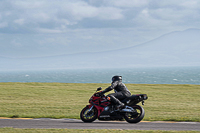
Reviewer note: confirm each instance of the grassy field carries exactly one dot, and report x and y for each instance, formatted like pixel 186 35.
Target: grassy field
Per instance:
pixel 65 100
pixel 14 130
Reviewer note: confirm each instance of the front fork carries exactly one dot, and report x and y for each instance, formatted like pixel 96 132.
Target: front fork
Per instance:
pixel 89 111
pixel 91 106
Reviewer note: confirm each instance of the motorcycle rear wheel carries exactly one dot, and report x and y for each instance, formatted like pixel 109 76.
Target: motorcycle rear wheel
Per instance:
pixel 136 116
pixel 88 116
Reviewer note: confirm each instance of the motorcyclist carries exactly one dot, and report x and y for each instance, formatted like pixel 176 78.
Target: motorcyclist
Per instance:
pixel 121 91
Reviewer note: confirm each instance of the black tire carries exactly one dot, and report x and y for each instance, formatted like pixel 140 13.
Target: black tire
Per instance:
pixel 136 116
pixel 88 116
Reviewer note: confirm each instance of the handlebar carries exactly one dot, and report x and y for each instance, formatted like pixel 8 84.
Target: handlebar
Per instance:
pixel 99 94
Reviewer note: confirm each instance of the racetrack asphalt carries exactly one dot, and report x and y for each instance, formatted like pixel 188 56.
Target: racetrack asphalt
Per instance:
pixel 78 124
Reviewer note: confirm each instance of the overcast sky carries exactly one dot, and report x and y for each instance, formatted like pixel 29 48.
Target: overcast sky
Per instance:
pixel 72 26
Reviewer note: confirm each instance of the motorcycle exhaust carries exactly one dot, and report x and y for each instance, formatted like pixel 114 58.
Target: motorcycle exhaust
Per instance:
pixel 126 110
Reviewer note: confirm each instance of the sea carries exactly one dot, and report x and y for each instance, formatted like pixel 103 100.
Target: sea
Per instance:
pixel 136 75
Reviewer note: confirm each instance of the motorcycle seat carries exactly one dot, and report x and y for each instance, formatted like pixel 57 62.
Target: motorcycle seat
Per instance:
pixel 133 97
pixel 129 98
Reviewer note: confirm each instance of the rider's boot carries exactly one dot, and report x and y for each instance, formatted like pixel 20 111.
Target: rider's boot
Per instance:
pixel 120 106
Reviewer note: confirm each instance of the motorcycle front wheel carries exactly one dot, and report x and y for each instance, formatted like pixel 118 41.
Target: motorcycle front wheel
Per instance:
pixel 88 116
pixel 135 117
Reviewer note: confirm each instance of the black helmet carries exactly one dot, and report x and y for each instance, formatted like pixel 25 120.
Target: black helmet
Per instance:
pixel 116 78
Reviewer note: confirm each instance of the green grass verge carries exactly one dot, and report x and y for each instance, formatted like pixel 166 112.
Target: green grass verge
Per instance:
pixel 16 130
pixel 65 100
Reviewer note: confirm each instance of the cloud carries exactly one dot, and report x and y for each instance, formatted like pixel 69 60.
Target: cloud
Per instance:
pixel 127 3
pixel 52 15
pixel 3 24
pixel 93 25
pixel 59 16
pixel 19 21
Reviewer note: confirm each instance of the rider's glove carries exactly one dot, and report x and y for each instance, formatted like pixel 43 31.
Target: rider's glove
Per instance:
pixel 100 93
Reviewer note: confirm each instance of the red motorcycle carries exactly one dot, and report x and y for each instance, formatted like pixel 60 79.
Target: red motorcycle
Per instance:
pixel 102 108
